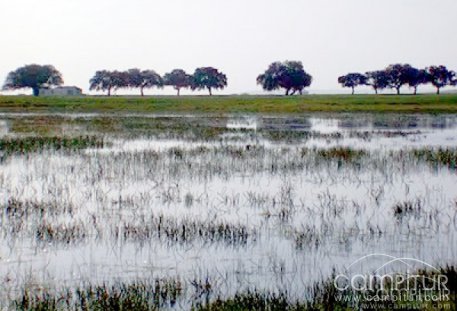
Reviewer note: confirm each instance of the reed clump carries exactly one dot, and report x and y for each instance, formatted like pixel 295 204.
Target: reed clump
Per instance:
pixel 25 145
pixel 159 294
pixel 407 208
pixel 438 157
pixel 63 233
pixel 187 231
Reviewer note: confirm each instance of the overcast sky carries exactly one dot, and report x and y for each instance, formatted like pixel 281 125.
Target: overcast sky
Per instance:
pixel 240 37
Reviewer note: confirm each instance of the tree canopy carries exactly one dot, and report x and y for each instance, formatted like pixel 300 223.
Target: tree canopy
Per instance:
pixel 142 79
pixel 440 76
pixel 208 78
pixel 352 80
pixel 416 77
pixel 34 77
pixel 105 80
pixel 378 80
pixel 397 76
pixel 289 75
pixel 179 79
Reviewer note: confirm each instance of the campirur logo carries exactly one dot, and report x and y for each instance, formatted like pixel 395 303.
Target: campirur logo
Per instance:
pixel 379 280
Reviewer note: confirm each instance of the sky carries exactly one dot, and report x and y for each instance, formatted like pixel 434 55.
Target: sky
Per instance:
pixel 239 37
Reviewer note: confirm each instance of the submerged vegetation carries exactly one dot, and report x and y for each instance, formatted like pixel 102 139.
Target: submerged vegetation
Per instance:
pixel 404 209
pixel 252 300
pixel 438 157
pixel 187 231
pixel 139 296
pixel 24 145
pixel 161 294
pixel 341 154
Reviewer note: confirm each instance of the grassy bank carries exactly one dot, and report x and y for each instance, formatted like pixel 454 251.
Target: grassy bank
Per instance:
pixel 234 104
pixel 200 295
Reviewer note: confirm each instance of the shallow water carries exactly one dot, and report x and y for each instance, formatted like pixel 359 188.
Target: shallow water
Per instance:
pixel 305 215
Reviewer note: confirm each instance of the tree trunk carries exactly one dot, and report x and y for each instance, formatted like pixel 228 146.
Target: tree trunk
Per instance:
pixel 36 91
pixel 210 92
pixel 398 90
pixel 287 92
pixel 376 90
pixel 142 90
pixel 109 91
pixel 415 90
pixel 353 91
pixel 179 90
pixel 293 92
pixel 437 91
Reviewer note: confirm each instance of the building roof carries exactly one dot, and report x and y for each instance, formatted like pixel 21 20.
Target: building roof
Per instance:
pixel 68 87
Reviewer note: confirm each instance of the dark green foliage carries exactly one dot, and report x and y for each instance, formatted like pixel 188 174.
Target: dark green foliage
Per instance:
pixel 142 79
pixel 33 76
pixel 378 80
pixel 179 79
pixel 397 76
pixel 208 78
pixel 288 75
pixel 416 77
pixel 440 76
pixel 352 80
pixel 105 80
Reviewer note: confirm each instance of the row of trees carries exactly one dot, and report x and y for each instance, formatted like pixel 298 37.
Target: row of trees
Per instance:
pixel 398 75
pixel 38 76
pixel 288 75
pixel 203 78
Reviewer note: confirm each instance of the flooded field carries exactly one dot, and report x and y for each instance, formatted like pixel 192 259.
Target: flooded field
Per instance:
pixel 204 207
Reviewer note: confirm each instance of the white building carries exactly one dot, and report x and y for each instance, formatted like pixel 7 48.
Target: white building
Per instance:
pixel 62 91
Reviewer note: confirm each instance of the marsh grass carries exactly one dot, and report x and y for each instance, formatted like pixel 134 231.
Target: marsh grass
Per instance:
pixel 209 128
pixel 297 135
pixel 324 296
pixel 234 104
pixel 163 293
pixel 341 154
pixel 25 145
pixel 199 294
pixel 198 199
pixel 408 208
pixel 438 157
pixel 186 231
pixel 23 209
pixel 307 239
pixel 253 300
pixel 63 233
pixel 22 218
